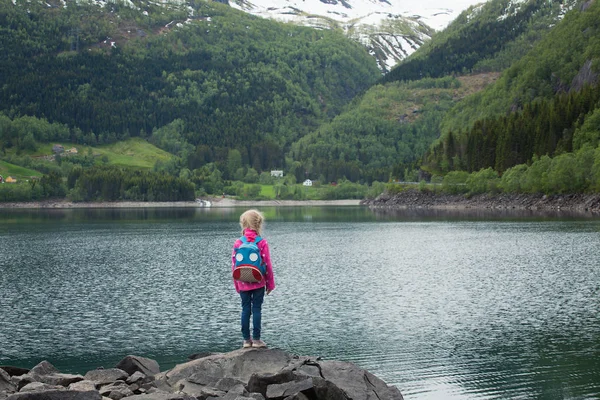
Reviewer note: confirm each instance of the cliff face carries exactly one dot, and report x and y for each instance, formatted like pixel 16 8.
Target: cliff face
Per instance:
pixel 245 374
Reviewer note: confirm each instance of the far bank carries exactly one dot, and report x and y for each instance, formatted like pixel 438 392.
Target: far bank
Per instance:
pixel 427 199
pixel 208 203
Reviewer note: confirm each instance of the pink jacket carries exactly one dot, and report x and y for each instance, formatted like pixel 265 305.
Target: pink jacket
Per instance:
pixel 263 246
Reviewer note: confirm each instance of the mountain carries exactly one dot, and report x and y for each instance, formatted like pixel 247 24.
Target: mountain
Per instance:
pixel 390 29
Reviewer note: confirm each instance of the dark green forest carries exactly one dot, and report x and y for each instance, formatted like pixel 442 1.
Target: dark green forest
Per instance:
pixel 233 81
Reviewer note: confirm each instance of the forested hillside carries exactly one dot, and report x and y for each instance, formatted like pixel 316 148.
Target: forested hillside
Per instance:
pixel 196 86
pixel 544 104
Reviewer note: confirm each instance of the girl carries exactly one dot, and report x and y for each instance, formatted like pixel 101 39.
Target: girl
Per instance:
pixel 252 294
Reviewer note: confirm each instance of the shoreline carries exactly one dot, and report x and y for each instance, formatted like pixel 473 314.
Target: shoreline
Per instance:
pixel 414 199
pixel 217 202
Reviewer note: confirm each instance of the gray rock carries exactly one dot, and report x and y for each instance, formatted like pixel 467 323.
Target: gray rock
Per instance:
pixel 236 392
pixel 136 377
pixel 227 384
pixel 282 390
pixel 106 376
pixel 357 383
pixel 57 379
pixel 258 383
pixel 132 364
pixel 56 395
pixel 39 386
pixel 239 364
pixel 116 390
pixel 256 396
pixel 161 396
pixel 298 396
pixel 198 391
pixel 6 383
pixel 83 386
pixel 44 368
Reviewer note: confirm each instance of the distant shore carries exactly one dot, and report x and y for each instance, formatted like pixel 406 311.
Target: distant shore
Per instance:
pixel 218 202
pixel 586 203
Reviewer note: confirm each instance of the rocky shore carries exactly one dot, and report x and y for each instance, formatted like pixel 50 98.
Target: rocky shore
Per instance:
pixel 586 203
pixel 244 374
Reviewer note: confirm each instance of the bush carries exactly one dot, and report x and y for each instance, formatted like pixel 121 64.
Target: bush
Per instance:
pixel 455 182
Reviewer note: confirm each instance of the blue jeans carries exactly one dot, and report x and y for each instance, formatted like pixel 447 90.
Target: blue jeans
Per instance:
pixel 251 305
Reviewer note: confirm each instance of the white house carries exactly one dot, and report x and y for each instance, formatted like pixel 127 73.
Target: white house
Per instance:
pixel 277 173
pixel 307 182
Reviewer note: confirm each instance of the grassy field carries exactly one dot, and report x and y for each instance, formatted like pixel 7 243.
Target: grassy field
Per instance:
pixel 16 172
pixel 135 152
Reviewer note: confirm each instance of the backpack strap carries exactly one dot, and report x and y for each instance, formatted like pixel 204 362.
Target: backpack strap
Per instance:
pixel 244 240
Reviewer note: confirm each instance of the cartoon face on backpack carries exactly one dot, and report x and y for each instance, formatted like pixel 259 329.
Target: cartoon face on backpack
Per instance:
pixel 248 262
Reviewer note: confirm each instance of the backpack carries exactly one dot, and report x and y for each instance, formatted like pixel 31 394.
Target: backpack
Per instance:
pixel 248 262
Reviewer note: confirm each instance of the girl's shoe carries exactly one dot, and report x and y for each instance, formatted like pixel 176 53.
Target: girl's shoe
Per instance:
pixel 258 344
pixel 247 344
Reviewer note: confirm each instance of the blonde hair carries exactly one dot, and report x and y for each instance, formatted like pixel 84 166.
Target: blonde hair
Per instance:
pixel 252 219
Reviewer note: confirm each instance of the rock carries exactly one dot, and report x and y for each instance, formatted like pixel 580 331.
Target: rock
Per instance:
pixel 198 391
pixel 106 376
pixel 6 383
pixel 282 390
pixel 39 386
pixel 357 383
pixel 238 364
pixel 14 371
pixel 137 377
pixel 56 395
pixel 132 364
pixel 83 386
pixel 161 396
pixel 58 379
pixel 116 390
pixel 44 368
pixel 258 383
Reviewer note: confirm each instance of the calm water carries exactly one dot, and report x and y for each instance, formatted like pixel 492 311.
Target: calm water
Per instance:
pixel 444 306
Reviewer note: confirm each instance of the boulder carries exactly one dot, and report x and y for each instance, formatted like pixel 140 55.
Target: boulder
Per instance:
pixel 238 364
pixel 116 390
pixel 106 376
pixel 132 364
pixel 357 383
pixel 161 396
pixel 280 391
pixel 39 387
pixel 56 395
pixel 6 383
pixel 44 368
pixel 83 386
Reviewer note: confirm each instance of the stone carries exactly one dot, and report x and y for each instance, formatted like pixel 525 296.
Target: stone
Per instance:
pixel 258 383
pixel 298 396
pixel 83 386
pixel 136 377
pixel 56 395
pixel 282 390
pixel 57 379
pixel 106 376
pixel 132 364
pixel 43 368
pixel 6 383
pixel 198 391
pixel 39 386
pixel 116 390
pixel 357 383
pixel 239 364
pixel 161 396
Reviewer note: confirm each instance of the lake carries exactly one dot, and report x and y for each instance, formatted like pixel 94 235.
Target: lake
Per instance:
pixel 442 304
